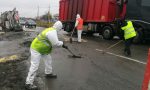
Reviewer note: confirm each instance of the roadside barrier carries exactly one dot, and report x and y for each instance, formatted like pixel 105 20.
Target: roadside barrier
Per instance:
pixel 146 81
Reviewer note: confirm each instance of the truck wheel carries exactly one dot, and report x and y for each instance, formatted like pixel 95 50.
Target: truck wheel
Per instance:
pixel 89 33
pixel 107 32
pixel 139 36
pixel 67 27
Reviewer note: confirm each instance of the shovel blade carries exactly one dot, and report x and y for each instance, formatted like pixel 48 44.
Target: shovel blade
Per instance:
pixel 74 56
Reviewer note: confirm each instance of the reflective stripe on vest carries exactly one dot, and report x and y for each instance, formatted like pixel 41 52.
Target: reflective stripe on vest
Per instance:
pixel 41 43
pixel 80 24
pixel 44 40
pixel 129 30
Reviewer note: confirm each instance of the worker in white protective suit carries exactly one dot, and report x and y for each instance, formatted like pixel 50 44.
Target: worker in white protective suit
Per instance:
pixel 41 47
pixel 79 26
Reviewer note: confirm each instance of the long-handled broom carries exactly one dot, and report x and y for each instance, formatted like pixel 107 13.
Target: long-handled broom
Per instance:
pixel 104 51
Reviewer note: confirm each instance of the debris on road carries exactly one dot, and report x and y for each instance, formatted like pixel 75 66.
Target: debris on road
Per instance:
pixel 9 58
pixel 2 33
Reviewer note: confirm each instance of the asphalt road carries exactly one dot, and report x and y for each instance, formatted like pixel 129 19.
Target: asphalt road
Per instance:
pixel 94 71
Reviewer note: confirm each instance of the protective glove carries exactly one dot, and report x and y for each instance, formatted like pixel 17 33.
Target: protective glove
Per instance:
pixel 64 46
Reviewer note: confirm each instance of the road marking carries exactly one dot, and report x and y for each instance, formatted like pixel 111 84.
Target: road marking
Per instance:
pixel 131 59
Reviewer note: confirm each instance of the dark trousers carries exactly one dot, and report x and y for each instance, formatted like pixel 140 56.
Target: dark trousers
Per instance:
pixel 128 43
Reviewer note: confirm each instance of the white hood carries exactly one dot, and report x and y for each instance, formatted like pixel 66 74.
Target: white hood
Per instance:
pixel 78 16
pixel 58 25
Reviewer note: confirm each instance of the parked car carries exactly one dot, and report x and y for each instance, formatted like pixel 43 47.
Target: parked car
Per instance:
pixel 30 23
pixel 22 22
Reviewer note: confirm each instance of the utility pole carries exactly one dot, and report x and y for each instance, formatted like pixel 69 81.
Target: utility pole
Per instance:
pixel 38 13
pixel 49 14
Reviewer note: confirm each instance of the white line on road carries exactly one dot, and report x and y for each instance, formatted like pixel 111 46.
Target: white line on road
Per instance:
pixel 131 59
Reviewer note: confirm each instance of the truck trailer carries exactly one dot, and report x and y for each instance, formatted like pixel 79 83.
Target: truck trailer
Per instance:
pixel 103 16
pixel 99 16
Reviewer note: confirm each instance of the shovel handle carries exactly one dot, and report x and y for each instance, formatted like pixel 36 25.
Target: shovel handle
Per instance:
pixel 72 31
pixel 70 51
pixel 114 44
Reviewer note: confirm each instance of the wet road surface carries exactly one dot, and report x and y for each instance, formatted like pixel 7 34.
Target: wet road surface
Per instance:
pixel 94 71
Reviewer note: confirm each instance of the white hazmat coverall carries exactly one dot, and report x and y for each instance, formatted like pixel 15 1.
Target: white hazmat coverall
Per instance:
pixel 36 56
pixel 79 32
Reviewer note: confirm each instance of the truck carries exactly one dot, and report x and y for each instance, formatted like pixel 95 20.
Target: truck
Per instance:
pixel 100 16
pixel 138 11
pixel 104 16
pixel 10 21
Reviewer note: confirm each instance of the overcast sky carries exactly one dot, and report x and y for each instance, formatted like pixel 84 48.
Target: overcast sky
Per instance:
pixel 29 8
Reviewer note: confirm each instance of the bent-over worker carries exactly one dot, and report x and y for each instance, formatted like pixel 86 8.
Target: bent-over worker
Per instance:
pixel 41 47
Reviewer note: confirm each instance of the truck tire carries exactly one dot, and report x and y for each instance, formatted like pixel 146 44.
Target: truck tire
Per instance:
pixel 67 27
pixel 107 32
pixel 90 33
pixel 139 36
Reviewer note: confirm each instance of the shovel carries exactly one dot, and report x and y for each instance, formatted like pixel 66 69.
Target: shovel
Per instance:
pixel 71 35
pixel 73 55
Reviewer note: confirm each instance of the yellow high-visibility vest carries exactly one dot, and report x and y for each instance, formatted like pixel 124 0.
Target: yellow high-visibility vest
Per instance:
pixel 129 30
pixel 41 43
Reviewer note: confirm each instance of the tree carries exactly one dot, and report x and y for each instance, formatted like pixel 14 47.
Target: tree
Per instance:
pixel 47 16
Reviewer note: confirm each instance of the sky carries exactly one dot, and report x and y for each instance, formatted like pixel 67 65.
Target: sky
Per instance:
pixel 29 8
